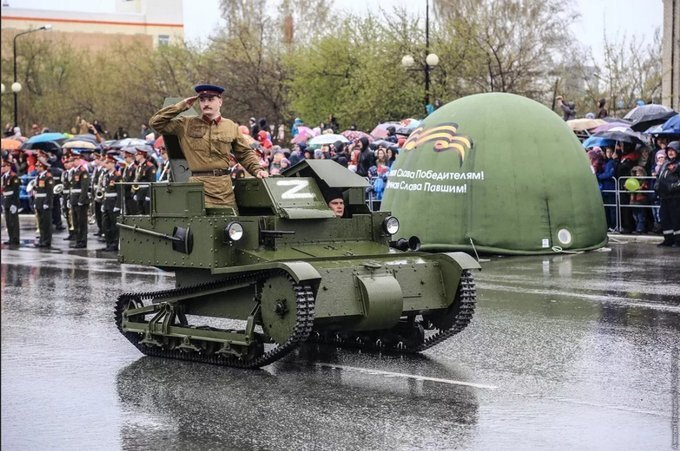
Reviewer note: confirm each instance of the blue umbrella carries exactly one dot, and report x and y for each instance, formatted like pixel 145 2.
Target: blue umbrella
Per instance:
pixel 671 126
pixel 45 137
pixel 597 141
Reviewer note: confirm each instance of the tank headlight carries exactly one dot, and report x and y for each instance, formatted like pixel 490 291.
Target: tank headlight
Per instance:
pixel 391 225
pixel 233 231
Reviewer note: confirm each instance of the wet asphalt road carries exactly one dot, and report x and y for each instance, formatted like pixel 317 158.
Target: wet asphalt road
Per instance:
pixel 564 352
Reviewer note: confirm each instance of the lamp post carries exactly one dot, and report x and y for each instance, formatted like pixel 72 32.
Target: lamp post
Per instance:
pixel 16 86
pixel 431 59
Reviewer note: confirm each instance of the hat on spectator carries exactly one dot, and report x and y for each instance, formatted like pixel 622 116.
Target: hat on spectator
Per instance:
pixel 675 145
pixel 208 90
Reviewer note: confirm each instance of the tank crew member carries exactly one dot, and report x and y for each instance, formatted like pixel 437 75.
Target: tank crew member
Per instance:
pixel 110 206
pixel 129 177
pixel 44 192
pixel 80 201
pixel 207 142
pixel 11 186
pixel 145 174
pixel 336 202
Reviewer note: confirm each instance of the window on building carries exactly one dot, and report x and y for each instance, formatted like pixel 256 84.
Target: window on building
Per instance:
pixel 163 39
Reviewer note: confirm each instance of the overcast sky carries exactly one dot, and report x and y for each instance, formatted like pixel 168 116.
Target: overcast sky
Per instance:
pixel 201 17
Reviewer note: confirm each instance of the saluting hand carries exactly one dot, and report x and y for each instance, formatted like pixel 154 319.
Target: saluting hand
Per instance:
pixel 190 100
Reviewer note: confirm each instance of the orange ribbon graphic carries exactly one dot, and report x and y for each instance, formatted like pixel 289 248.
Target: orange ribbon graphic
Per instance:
pixel 444 137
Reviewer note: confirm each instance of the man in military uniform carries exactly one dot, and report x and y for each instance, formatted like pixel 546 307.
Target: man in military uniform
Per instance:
pixel 44 192
pixel 66 178
pixel 165 174
pixel 110 206
pixel 207 142
pixel 145 174
pixel 80 201
pixel 11 186
pixel 97 185
pixel 128 177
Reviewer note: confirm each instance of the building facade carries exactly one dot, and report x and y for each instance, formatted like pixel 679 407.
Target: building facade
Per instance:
pixel 148 22
pixel 670 82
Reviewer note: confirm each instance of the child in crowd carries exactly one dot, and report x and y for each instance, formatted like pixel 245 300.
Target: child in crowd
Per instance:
pixel 639 197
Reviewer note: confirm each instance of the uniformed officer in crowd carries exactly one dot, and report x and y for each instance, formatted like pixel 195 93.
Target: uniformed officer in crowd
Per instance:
pixel 11 187
pixel 80 200
pixel 145 173
pixel 66 178
pixel 111 205
pixel 208 141
pixel 44 192
pixel 97 191
pixel 164 171
pixel 129 177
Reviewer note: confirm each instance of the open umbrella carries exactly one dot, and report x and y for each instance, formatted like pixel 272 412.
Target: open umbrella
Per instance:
pixel 328 138
pixel 47 146
pixel 584 124
pixel 593 141
pixel 638 112
pixel 621 136
pixel 619 125
pixel 671 126
pixel 77 144
pixel 651 119
pixel 654 129
pixel 57 137
pixel 10 143
pixel 380 131
pixel 356 134
pixel 128 142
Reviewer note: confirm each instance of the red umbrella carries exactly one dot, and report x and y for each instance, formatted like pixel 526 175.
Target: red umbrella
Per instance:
pixel 380 131
pixel 353 135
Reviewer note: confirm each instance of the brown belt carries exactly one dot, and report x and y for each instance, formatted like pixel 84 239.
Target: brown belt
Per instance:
pixel 212 172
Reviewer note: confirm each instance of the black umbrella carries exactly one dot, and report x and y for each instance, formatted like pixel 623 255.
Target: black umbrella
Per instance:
pixel 650 119
pixel 639 111
pixel 621 136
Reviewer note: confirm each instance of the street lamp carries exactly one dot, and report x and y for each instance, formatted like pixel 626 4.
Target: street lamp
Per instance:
pixel 431 59
pixel 16 86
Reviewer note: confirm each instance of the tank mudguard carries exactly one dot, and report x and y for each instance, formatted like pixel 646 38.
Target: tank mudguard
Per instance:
pixel 463 260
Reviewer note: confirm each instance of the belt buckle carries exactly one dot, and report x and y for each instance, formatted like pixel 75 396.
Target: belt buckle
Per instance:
pixel 217 172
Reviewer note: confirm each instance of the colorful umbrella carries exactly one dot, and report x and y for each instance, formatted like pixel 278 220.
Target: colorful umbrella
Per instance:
pixel 10 143
pixel 380 131
pixel 45 137
pixel 353 135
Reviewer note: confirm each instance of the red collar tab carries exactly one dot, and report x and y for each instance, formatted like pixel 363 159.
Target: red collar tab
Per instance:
pixel 212 121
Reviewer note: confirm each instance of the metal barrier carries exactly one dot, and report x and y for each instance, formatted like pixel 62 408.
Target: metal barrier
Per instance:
pixel 618 190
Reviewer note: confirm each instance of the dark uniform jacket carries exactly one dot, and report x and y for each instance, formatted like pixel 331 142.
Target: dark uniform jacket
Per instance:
pixel 44 190
pixel 111 180
pixel 80 187
pixel 11 186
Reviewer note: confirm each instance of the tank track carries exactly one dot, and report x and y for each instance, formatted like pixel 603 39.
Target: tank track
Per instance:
pixel 462 316
pixel 303 326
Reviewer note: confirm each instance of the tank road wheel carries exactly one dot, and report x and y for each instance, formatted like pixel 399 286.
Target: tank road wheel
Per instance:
pixel 278 307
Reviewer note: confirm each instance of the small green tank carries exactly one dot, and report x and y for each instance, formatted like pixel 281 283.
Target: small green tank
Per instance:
pixel 252 286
